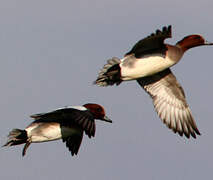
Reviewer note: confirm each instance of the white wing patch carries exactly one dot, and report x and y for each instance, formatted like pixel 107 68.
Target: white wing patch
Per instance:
pixel 81 108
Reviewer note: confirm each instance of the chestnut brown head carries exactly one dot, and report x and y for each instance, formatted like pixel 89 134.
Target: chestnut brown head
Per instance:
pixel 97 111
pixel 192 41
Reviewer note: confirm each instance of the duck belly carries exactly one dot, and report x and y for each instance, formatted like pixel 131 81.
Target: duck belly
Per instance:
pixel 133 68
pixel 42 132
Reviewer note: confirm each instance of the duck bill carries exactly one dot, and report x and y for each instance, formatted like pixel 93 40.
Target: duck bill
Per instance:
pixel 208 43
pixel 105 118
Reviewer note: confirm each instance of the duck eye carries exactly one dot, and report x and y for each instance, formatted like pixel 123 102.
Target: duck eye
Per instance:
pixel 99 109
pixel 197 37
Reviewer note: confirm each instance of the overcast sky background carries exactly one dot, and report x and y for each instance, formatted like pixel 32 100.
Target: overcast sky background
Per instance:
pixel 51 52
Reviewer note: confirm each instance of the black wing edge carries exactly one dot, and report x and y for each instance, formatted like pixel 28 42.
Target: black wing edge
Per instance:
pixel 155 39
pixel 73 143
pixel 166 32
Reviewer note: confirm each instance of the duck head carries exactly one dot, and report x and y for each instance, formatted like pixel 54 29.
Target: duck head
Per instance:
pixel 192 41
pixel 97 111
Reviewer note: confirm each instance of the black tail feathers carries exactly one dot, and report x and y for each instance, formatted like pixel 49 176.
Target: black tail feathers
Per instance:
pixel 110 74
pixel 16 137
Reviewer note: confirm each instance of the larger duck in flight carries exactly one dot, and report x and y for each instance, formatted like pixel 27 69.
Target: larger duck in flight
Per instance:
pixel 149 62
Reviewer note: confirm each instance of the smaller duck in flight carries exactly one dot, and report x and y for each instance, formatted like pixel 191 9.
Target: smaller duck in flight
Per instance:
pixel 67 124
pixel 149 62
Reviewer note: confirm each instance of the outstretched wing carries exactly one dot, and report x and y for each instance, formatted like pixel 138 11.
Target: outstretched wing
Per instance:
pixel 169 102
pixel 73 142
pixel 152 44
pixel 69 117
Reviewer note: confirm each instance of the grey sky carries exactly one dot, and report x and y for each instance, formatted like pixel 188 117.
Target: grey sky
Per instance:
pixel 51 52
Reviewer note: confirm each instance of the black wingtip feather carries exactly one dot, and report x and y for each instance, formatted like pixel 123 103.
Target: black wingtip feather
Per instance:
pixel 73 143
pixel 151 42
pixel 166 30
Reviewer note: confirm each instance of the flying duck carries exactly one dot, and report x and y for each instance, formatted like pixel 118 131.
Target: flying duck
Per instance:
pixel 68 123
pixel 149 62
